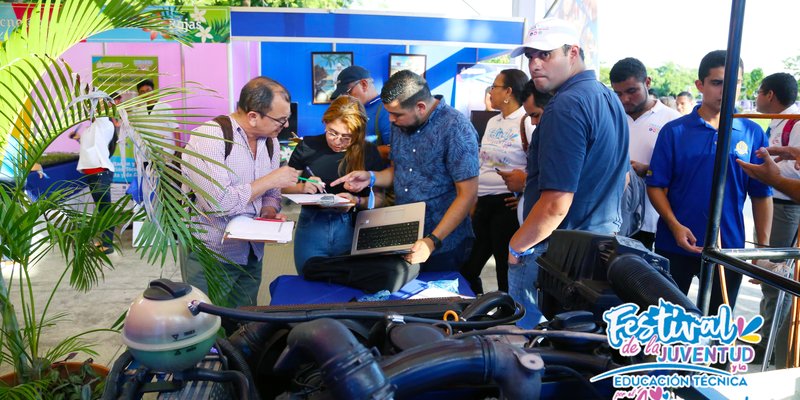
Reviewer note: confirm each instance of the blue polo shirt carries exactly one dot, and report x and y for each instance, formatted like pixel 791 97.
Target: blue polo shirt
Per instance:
pixel 581 147
pixel 683 162
pixel 378 121
pixel 428 163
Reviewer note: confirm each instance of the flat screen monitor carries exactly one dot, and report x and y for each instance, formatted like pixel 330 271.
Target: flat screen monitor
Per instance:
pixel 286 133
pixel 479 118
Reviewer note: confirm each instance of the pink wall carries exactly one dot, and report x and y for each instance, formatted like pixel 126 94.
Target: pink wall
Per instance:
pixel 205 64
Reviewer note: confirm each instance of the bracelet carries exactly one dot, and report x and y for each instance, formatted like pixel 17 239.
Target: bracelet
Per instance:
pixel 358 201
pixel 519 254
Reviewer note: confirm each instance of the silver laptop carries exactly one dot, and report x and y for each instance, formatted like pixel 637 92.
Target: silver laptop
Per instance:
pixel 388 230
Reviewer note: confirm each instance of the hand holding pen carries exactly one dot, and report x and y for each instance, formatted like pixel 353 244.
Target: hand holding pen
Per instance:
pixel 312 184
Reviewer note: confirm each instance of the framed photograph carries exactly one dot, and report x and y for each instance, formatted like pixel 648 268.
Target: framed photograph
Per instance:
pixel 413 62
pixel 325 69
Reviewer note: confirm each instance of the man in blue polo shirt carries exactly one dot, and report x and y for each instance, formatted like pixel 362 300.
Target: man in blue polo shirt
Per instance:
pixel 356 81
pixel 577 158
pixel 680 182
pixel 435 160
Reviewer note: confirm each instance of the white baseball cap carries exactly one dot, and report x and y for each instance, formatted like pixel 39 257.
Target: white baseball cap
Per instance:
pixel 549 34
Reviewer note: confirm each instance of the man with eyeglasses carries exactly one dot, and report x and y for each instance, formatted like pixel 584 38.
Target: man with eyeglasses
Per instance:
pixel 357 82
pixel 251 187
pixel 577 158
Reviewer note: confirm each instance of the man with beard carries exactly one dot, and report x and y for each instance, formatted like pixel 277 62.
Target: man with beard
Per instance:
pixel 645 118
pixel 434 154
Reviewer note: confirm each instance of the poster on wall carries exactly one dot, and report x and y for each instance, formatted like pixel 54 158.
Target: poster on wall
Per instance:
pixel 413 62
pixel 325 69
pixel 471 82
pixel 121 74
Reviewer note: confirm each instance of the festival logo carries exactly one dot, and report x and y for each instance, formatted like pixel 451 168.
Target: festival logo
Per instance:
pixel 682 345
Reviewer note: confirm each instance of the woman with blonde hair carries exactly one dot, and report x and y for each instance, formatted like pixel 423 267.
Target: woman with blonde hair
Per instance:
pixel 328 231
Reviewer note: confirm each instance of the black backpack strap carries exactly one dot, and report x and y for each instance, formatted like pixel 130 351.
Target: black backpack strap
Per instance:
pixel 224 122
pixel 378 128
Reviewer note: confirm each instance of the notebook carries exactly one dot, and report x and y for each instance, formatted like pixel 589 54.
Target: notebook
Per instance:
pixel 257 230
pixel 323 199
pixel 388 230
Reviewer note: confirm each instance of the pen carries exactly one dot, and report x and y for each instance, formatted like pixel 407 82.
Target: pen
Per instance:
pixel 310 174
pixel 309 180
pixel 268 219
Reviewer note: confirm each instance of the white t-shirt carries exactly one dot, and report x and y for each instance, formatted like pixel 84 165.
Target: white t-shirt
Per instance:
pixel 776 127
pixel 643 134
pixel 501 147
pixel 94 145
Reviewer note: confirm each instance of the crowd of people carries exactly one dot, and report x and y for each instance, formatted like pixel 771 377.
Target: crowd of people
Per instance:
pixel 559 155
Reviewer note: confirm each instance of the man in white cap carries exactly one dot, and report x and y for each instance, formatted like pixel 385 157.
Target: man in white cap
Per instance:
pixel 577 158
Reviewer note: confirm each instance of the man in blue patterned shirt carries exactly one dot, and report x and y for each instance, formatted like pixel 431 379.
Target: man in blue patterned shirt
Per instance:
pixel 434 157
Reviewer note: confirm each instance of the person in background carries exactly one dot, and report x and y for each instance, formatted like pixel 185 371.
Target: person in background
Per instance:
pixel 679 183
pixel 502 148
pixel 668 101
pixel 777 95
pixel 167 126
pixel 435 160
pixel 97 145
pixel 487 100
pixel 577 159
pixel 328 231
pixel 250 185
pixel 357 82
pixel 684 103
pixel 646 117
pixel 534 104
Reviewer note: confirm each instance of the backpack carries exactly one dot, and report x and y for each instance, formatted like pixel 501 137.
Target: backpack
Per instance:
pixel 224 122
pixel 633 204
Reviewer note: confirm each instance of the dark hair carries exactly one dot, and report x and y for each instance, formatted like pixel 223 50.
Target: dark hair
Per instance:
pixel 257 95
pixel 406 87
pixel 626 68
pixel 539 98
pixel 714 59
pixel 146 82
pixel 783 85
pixel 653 91
pixel 685 94
pixel 515 79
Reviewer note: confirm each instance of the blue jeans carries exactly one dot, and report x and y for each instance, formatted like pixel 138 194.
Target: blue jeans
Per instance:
pixel 522 278
pixel 100 188
pixel 240 284
pixel 322 232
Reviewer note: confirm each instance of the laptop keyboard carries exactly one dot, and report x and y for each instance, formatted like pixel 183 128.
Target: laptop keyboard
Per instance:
pixel 387 235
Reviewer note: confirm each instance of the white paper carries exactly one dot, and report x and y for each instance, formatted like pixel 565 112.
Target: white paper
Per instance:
pixel 314 199
pixel 246 228
pixel 434 292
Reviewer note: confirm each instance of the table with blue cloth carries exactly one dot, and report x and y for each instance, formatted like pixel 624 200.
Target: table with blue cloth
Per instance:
pixel 293 289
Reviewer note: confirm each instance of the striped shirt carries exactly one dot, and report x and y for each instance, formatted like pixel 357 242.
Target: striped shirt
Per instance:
pixel 233 198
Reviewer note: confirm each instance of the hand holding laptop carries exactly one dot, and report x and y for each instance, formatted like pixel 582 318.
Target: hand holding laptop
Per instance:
pixel 420 251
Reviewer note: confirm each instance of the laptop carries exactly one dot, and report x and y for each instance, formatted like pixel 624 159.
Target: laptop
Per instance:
pixel 388 230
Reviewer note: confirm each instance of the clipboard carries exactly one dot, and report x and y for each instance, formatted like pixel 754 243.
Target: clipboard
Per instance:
pixel 316 200
pixel 259 230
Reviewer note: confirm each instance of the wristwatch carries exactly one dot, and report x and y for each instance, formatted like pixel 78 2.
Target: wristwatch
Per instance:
pixel 519 254
pixel 437 243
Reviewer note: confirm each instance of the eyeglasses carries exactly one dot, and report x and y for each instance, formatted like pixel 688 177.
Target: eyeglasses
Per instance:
pixel 352 87
pixel 489 88
pixel 281 121
pixel 345 138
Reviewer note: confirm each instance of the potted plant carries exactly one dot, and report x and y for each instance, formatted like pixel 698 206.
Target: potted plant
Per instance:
pixel 40 98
